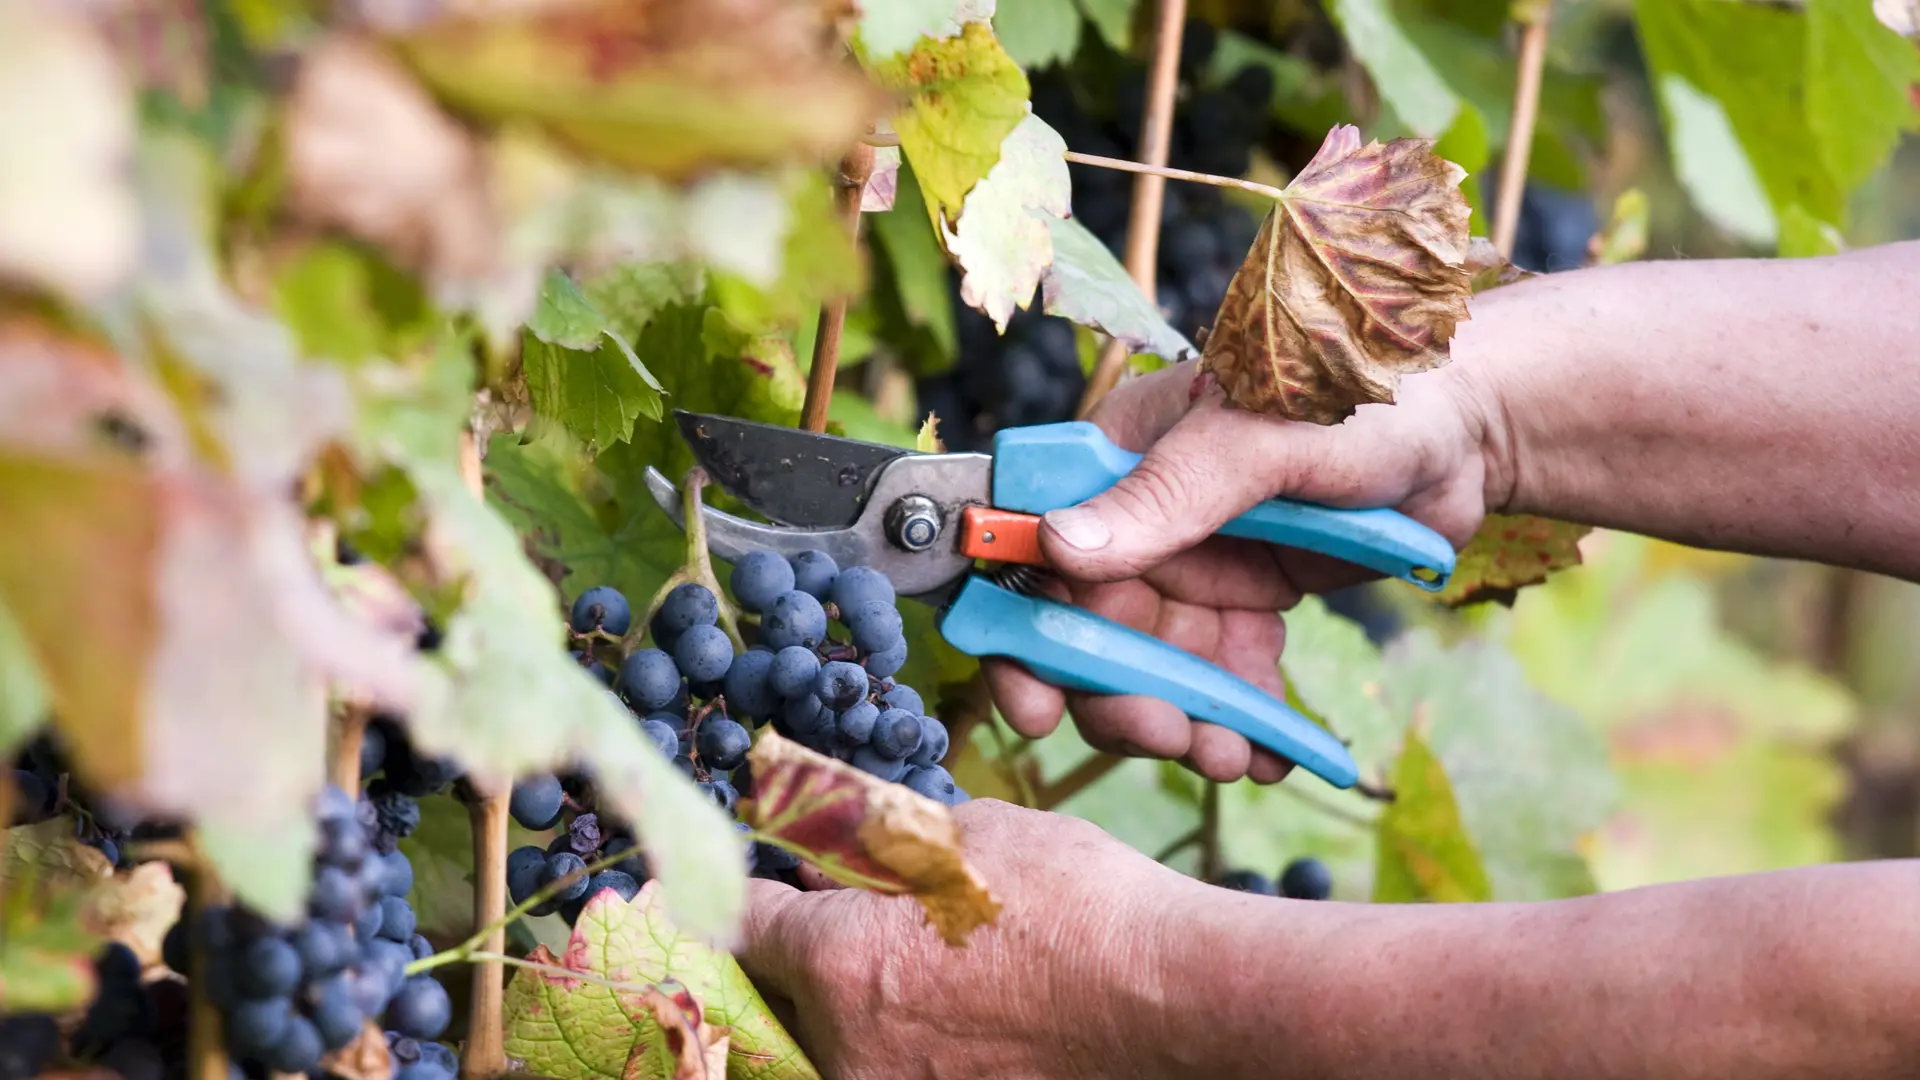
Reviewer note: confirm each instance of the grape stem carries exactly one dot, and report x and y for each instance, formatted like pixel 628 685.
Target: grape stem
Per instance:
pixel 1123 165
pixel 1337 813
pixel 697 569
pixel 473 949
pixel 560 972
pixel 855 167
pixel 1210 855
pixel 1533 17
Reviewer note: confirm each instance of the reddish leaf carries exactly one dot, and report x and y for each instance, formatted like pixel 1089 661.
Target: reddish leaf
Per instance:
pixel 1510 552
pixel 689 1047
pixel 865 832
pixel 1358 275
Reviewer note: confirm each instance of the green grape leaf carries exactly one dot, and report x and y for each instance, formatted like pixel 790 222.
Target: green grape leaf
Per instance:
pixel 1003 243
pixel 573 1029
pixel 1087 284
pixel 68 216
pixel 659 87
pixel 1508 553
pixel 919 265
pixel 965 96
pixel 23 690
pixel 889 28
pixel 1038 32
pixel 1424 850
pixel 346 303
pixel 1338 674
pixel 1801 103
pixel 1114 20
pixel 441 850
pixel 862 831
pixel 46 954
pixel 1529 779
pixel 1408 82
pixel 581 372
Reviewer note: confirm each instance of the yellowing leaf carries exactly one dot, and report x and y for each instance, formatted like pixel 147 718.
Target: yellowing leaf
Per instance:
pixel 965 97
pixel 928 441
pixel 1510 552
pixel 1003 242
pixel 669 87
pixel 46 956
pixel 1087 284
pixel 1357 275
pixel 49 854
pixel 1424 850
pixel 574 1028
pixel 862 831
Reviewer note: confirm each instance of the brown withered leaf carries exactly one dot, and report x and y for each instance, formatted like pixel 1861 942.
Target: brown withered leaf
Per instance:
pixel 689 1048
pixel 365 1058
pixel 136 907
pixel 864 832
pixel 1489 268
pixel 1508 553
pixel 1358 275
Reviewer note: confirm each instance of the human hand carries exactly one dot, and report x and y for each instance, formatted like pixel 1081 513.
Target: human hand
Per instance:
pixel 1062 985
pixel 1143 552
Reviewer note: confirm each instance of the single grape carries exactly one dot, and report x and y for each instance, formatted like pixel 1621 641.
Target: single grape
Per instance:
pixel 722 793
pixel 663 636
pixel 793 671
pixel 1306 878
pixel 366 925
pixel 419 946
pixel 420 1009
pixel 930 780
pixel 583 835
pixel 335 1013
pixel 634 865
pixel 723 744
pixel 389 959
pixel 814 573
pixel 622 884
pixel 537 801
pixel 687 606
pixel 559 866
pixel 269 968
pixel 526 871
pixel 860 585
pixel 840 684
pixel 1246 881
pixel 704 653
pixel 876 625
pixel 794 618
pixel 749 685
pixel 661 731
pixel 760 576
pixel 871 761
pixel 896 734
pixel 601 608
pixel 904 697
pixel 933 743
pixel 253 1027
pixel 324 948
pixel 887 661
pixel 396 919
pixel 854 724
pixel 396 874
pixel 650 679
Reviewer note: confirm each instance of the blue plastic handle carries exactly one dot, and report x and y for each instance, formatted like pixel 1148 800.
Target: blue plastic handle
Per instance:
pixel 1048 466
pixel 1074 648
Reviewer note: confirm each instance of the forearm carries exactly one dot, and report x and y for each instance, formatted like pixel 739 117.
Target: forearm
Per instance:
pixel 1799 973
pixel 1765 406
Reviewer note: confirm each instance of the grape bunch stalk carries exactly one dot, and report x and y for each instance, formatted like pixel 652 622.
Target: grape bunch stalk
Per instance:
pixel 825 646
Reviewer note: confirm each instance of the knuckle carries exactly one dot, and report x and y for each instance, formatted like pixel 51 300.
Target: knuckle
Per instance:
pixel 1156 490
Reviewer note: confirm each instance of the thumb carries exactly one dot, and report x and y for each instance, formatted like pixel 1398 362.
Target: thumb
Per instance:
pixel 1205 471
pixel 777 933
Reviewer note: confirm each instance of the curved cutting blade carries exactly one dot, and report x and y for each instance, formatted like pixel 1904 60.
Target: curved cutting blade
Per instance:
pixel 794 477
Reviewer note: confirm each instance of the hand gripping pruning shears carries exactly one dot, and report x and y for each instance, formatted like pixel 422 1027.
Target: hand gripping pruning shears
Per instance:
pixel 924 520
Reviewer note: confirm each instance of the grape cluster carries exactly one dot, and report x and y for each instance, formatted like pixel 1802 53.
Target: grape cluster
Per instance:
pixel 1033 374
pixel 699 701
pixel 44 788
pixel 131 1029
pixel 1305 878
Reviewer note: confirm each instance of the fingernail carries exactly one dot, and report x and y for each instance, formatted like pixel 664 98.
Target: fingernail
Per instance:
pixel 1080 527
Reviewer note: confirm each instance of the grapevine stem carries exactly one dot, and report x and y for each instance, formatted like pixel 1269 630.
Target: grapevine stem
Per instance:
pixel 698 569
pixel 1082 776
pixel 560 972
pixel 1526 109
pixel 1210 859
pixel 854 170
pixel 1179 844
pixel 348 734
pixel 1123 165
pixel 1149 191
pixel 1338 813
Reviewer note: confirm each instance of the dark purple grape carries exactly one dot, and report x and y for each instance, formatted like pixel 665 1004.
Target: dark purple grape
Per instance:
pixel 896 734
pixel 722 793
pixel 687 606
pixel 858 585
pixel 661 731
pixel 268 968
pixel 933 743
pixel 794 618
pixel 749 685
pixel 599 608
pixel 871 761
pixel 537 801
pixel 854 724
pixel 888 661
pixel 650 679
pixel 904 697
pixel 723 744
pixel 396 919
pixel 704 653
pixel 814 573
pixel 759 577
pixel 840 684
pixel 559 866
pixel 421 1008
pixel 876 626
pixel 526 870
pixel 930 780
pixel 793 671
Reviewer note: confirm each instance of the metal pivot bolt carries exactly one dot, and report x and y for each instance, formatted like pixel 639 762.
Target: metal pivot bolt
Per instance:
pixel 913 522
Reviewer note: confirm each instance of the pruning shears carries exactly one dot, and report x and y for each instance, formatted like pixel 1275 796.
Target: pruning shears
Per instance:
pixel 927 520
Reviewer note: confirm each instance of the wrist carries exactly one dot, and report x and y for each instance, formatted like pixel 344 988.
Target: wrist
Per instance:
pixel 1488 378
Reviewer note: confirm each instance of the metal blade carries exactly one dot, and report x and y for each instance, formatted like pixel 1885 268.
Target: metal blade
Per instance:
pixel 794 477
